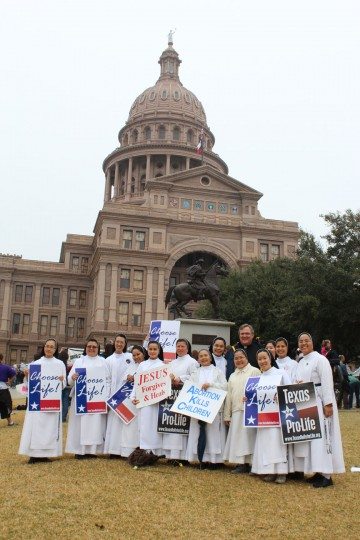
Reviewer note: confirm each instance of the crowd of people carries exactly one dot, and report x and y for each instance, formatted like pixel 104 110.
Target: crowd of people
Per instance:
pixel 258 451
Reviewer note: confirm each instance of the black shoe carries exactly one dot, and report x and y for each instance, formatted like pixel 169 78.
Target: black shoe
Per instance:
pixel 33 460
pixel 297 476
pixel 81 456
pixel 92 456
pixel 314 478
pixel 203 466
pixel 111 456
pixel 241 469
pixel 323 482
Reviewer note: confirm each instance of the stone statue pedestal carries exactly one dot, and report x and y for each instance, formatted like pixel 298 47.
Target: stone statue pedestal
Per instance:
pixel 201 332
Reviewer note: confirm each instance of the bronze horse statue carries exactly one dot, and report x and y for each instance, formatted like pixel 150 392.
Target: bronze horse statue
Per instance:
pixel 179 295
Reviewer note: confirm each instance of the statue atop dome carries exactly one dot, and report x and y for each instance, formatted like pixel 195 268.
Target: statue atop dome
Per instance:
pixel 170 37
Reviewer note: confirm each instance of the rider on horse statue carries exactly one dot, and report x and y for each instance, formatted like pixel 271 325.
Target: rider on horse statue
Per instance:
pixel 196 279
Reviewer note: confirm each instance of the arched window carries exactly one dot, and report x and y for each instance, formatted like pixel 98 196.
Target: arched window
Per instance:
pixel 135 135
pixel 147 133
pixel 132 186
pixel 190 136
pixel 142 182
pixel 126 140
pixel 162 132
pixel 122 187
pixel 176 134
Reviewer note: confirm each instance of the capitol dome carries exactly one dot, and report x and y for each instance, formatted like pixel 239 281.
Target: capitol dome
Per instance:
pixel 168 95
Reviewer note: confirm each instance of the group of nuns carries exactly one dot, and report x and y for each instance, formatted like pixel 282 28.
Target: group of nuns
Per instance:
pixel 255 451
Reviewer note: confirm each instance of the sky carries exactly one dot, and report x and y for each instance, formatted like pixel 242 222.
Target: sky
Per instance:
pixel 279 81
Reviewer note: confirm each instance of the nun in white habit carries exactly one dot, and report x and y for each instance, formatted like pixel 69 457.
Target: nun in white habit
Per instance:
pixel 41 436
pixel 86 433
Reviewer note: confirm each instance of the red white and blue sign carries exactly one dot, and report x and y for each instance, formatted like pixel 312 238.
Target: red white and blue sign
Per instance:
pixel 166 333
pixel 261 406
pixel 44 388
pixel 121 403
pixel 90 391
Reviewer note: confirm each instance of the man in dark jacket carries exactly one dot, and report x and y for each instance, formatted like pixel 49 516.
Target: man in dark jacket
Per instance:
pixel 246 342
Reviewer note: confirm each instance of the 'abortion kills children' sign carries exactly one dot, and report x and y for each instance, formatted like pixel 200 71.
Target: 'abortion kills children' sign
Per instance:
pixel 44 388
pixel 152 386
pixel 198 403
pixel 299 413
pixel 91 390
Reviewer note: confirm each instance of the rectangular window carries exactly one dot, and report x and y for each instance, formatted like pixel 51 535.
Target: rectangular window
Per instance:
pixel 53 325
pixel 138 280
pixel 140 240
pixel 127 239
pixel 82 299
pixel 275 251
pixel 16 323
pixel 136 312
pixel 18 293
pixel 75 262
pixel 13 356
pixel 80 327
pixel 55 296
pixel 43 325
pixel 264 252
pixel 70 327
pixel 84 265
pixel 23 355
pixel 72 297
pixel 28 294
pixel 46 296
pixel 124 313
pixel 26 324
pixel 124 278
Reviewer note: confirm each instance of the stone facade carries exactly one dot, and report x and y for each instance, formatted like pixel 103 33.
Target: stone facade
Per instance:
pixel 164 204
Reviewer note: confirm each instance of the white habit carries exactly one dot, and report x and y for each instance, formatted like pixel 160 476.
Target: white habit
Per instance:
pixel 118 365
pixel 215 432
pixel 240 440
pixel 320 455
pixel 130 432
pixel 42 431
pixel 175 444
pixel 149 437
pixel 271 455
pixel 86 432
pixel 288 365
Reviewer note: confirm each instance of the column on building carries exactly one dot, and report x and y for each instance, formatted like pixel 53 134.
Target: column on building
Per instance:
pixel 161 294
pixel 117 180
pixel 187 165
pixel 107 195
pixel 167 168
pixel 64 301
pixel 35 317
pixel 6 311
pixel 149 292
pixel 113 299
pixel 100 295
pixel 148 162
pixel 129 176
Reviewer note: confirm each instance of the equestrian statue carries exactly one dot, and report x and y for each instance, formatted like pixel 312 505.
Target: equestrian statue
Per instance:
pixel 198 287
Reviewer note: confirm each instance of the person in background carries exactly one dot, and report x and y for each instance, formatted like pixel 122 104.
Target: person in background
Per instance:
pixel 270 346
pixel 248 343
pixel 218 351
pixel 354 389
pixel 7 375
pixel 64 357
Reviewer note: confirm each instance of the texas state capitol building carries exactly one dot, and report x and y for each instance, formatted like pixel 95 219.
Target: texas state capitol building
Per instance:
pixel 163 206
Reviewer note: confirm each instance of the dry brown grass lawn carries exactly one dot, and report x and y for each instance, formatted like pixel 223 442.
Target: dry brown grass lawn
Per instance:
pixel 110 500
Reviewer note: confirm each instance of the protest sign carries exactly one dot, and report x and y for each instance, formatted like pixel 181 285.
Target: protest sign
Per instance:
pixel 197 403
pixel 90 390
pixel 261 408
pixel 152 386
pixel 121 403
pixel 298 412
pixel 166 333
pixel 170 421
pixel 44 387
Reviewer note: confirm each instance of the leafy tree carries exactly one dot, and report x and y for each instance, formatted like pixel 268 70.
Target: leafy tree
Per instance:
pixel 344 237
